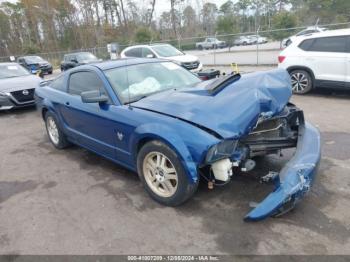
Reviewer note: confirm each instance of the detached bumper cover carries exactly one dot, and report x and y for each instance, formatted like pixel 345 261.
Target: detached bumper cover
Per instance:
pixel 296 177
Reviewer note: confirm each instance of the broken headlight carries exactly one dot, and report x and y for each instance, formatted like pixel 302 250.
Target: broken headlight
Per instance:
pixel 224 149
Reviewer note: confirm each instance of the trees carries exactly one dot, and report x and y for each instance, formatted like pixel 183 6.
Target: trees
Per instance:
pixel 51 25
pixel 209 14
pixel 283 20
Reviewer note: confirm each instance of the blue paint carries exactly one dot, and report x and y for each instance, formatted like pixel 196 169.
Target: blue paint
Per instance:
pixel 189 120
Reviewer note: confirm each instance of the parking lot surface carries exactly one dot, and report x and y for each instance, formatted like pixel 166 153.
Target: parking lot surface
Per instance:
pixel 75 202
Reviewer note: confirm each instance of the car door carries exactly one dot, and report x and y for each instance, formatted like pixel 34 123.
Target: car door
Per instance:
pixel 147 53
pixel 327 57
pixel 134 52
pixel 90 124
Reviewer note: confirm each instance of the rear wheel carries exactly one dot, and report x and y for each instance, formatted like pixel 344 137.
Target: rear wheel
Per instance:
pixel 163 175
pixel 301 81
pixel 56 136
pixel 200 47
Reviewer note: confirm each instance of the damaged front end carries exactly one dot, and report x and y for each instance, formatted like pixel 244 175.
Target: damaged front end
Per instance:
pixel 270 135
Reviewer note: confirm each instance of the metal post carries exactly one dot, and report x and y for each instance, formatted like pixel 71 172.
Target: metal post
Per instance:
pixel 257 46
pixel 215 50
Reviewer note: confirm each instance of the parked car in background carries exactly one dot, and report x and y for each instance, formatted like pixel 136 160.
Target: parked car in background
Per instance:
pixel 76 59
pixel 257 39
pixel 17 86
pixel 310 30
pixel 164 51
pixel 35 64
pixel 318 60
pixel 242 40
pixel 211 43
pixel 161 121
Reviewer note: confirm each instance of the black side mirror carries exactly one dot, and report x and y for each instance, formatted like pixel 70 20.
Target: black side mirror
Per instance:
pixel 93 97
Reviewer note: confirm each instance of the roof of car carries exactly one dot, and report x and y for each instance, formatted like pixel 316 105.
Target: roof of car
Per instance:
pixel 338 32
pixel 124 62
pixel 76 53
pixel 150 45
pixel 8 63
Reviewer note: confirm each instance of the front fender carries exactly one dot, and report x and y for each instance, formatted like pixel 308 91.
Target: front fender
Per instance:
pixel 166 134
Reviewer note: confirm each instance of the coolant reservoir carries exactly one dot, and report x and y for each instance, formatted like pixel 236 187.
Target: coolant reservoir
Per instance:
pixel 222 169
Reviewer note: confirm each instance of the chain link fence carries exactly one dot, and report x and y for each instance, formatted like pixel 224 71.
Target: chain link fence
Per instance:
pixel 185 44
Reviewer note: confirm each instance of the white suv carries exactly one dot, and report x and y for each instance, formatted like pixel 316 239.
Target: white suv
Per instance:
pixel 164 51
pixel 319 60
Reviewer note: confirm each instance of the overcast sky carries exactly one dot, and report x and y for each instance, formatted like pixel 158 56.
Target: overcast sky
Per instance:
pixel 164 5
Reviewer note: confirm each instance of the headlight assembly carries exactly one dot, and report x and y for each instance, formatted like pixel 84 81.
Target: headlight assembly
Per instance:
pixel 224 149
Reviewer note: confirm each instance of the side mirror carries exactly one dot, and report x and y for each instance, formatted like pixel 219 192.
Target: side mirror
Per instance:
pixel 93 97
pixel 150 56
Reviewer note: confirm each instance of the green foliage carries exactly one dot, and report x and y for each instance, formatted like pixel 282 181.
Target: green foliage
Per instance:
pixel 283 20
pixel 226 25
pixel 143 35
pixel 30 49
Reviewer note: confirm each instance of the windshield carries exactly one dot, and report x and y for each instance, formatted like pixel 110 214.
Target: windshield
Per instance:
pixel 34 59
pixel 166 50
pixel 138 81
pixel 86 56
pixel 8 71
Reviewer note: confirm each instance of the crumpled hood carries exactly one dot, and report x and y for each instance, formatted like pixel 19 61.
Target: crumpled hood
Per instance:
pixel 19 83
pixel 233 111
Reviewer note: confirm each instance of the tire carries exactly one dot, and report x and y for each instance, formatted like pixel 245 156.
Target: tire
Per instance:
pixel 154 175
pixel 62 69
pixel 200 47
pixel 302 82
pixel 57 138
pixel 50 72
pixel 244 43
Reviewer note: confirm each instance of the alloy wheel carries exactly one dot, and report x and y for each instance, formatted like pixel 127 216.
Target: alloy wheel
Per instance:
pixel 160 174
pixel 300 82
pixel 52 130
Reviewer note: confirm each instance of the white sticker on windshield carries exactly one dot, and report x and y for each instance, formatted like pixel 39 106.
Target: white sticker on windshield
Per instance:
pixel 170 66
pixel 12 68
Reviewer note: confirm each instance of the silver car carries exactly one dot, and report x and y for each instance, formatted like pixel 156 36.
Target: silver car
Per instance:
pixel 17 86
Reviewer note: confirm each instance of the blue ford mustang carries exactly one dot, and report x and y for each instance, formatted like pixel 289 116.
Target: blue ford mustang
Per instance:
pixel 163 122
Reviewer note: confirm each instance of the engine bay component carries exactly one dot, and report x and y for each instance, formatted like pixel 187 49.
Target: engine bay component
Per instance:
pixel 222 169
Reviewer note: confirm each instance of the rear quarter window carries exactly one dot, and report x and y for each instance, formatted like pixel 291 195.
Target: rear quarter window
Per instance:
pixel 134 52
pixel 335 44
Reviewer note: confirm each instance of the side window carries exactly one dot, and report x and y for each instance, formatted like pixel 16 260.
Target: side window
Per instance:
pixel 134 52
pixel 85 81
pixel 58 84
pixel 146 52
pixel 335 44
pixel 20 60
pixel 66 58
pixel 306 44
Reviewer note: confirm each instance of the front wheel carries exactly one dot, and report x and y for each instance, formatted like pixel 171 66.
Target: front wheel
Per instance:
pixel 301 81
pixel 163 175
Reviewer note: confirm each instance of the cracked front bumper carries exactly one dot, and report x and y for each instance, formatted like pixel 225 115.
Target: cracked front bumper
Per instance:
pixel 295 178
